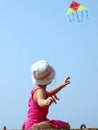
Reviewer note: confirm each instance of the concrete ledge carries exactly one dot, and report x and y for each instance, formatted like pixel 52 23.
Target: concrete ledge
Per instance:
pixel 59 129
pixel 82 127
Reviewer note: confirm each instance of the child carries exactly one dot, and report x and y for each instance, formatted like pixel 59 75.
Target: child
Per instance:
pixel 40 100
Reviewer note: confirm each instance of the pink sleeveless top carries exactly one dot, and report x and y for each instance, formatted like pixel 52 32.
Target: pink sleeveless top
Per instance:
pixel 37 114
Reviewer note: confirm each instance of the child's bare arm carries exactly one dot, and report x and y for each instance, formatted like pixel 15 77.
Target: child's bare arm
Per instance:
pixel 57 89
pixel 42 100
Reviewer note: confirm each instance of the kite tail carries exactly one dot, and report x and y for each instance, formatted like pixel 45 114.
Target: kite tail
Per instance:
pixel 73 17
pixel 77 17
pixel 82 15
pixel 87 14
pixel 69 18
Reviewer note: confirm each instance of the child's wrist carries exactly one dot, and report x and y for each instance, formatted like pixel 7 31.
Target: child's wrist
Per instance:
pixel 62 86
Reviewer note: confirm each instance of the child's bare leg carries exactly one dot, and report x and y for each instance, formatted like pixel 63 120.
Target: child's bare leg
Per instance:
pixel 42 126
pixel 67 127
pixel 46 126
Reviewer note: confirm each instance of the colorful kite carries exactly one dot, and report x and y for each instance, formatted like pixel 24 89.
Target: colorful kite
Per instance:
pixel 77 10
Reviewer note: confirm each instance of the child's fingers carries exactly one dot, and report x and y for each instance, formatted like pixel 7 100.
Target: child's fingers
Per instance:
pixel 67 80
pixel 53 98
pixel 56 97
pixel 68 77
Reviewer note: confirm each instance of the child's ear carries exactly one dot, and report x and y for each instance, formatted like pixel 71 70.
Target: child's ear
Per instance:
pixel 34 72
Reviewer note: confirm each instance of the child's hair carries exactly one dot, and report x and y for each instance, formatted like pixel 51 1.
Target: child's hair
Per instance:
pixel 42 73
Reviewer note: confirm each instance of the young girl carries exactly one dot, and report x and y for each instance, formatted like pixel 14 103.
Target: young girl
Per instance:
pixel 40 99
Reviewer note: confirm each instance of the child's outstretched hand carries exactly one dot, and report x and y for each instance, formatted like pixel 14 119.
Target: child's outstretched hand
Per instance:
pixel 66 81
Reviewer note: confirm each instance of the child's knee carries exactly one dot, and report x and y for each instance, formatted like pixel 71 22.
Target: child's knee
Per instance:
pixel 67 127
pixel 42 126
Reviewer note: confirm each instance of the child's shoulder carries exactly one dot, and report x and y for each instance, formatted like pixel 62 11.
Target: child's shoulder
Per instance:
pixel 38 89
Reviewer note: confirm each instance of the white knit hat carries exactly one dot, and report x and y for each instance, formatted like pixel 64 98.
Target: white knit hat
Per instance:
pixel 42 73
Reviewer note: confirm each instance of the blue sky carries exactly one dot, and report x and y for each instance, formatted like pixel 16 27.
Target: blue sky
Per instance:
pixel 38 29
